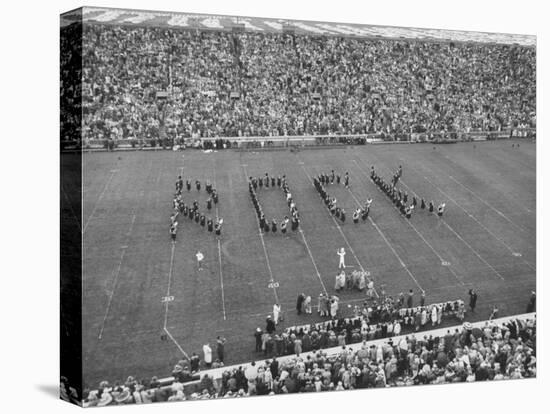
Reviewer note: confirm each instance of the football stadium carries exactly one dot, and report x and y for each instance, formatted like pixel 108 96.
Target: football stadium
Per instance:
pixel 274 206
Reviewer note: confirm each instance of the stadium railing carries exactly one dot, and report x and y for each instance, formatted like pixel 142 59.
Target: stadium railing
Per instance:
pixel 289 142
pixel 217 373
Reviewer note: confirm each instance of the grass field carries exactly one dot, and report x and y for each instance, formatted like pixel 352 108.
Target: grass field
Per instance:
pixel 130 265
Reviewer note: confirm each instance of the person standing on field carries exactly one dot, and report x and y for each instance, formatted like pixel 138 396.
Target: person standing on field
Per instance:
pixel 276 313
pixel 207 355
pixel 342 254
pixel 473 299
pixel 200 258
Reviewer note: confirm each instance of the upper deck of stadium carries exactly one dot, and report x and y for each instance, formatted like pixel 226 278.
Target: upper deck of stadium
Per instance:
pixel 277 25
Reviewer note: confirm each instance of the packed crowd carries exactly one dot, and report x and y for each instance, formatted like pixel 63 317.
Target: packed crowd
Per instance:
pixel 492 352
pixel 224 84
pixel 467 354
pixel 374 319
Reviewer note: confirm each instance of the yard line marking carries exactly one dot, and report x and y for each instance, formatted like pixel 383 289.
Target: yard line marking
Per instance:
pixel 117 273
pixel 452 230
pixel 513 252
pixel 271 279
pixel 441 260
pixel 113 172
pixel 219 245
pixel 176 342
pixel 313 261
pixel 500 213
pixel 464 241
pixel 166 303
pixel 71 206
pixel 338 227
pixel 391 248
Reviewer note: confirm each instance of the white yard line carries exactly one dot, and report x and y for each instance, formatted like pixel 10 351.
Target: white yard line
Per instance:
pixel 166 303
pixel 71 206
pixel 403 265
pixel 113 172
pixel 500 213
pixel 111 294
pixel 219 243
pixel 513 252
pixel 271 279
pixel 313 261
pixel 339 229
pixel 464 241
pixel 441 260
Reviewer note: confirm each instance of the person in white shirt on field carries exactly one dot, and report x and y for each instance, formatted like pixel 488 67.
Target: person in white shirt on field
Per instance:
pixel 200 258
pixel 207 355
pixel 276 313
pixel 342 254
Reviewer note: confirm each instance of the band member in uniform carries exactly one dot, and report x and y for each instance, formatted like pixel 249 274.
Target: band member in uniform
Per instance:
pixel 262 221
pixel 195 205
pixel 198 185
pixel 266 180
pixel 210 225
pixel 440 209
pixel 284 224
pixel 218 226
pixel 200 258
pixel 431 207
pixel 202 220
pixel 215 196
pixel 356 215
pixel 295 223
pixel 188 184
pixel 185 210
pixel 209 203
pixel 197 216
pixel 408 211
pixel 273 226
pixel 278 181
pixel 414 201
pixel 174 231
pixel 337 214
pixel 254 183
pixel 179 184
pixel 260 182
pixel 191 214
pixel 272 181
pixel 343 215
pixel 346 179
pixel 332 175
pixel 422 204
pixel 208 186
pixel 365 214
pixel 337 178
pixel 405 197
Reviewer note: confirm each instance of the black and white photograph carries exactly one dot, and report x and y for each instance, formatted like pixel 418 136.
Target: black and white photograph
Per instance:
pixel 275 206
pixel 285 202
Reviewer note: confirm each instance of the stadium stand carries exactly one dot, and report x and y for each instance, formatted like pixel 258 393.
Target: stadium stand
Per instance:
pixel 154 83
pixel 500 349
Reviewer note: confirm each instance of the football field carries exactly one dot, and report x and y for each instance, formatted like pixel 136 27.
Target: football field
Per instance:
pixel 138 286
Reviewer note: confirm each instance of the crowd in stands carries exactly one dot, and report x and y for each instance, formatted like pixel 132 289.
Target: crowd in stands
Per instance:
pixel 467 354
pixel 70 73
pixel 223 84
